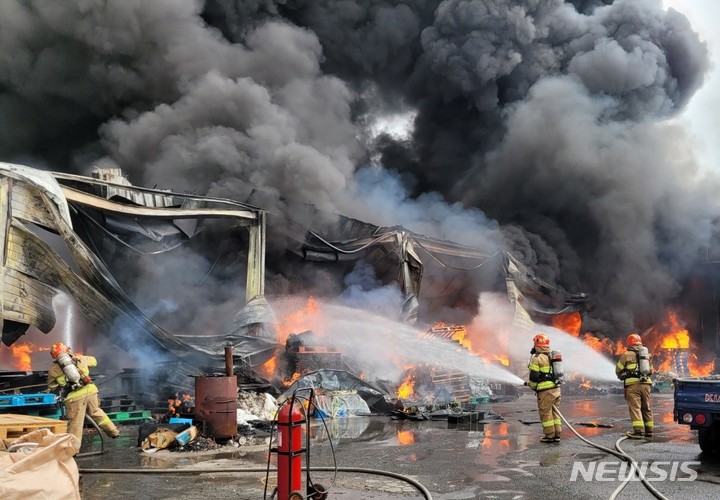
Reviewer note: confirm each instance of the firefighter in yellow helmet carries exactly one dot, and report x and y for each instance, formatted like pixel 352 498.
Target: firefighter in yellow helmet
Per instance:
pixel 70 375
pixel 542 381
pixel 633 368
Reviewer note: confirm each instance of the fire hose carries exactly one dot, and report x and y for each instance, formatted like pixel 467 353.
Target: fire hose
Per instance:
pixel 97 427
pixel 102 440
pixel 426 494
pixel 320 492
pixel 634 468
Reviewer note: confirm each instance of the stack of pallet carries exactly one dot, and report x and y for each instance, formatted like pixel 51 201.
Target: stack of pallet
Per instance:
pixel 454 383
pixel 13 425
pixel 122 409
pixel 40 404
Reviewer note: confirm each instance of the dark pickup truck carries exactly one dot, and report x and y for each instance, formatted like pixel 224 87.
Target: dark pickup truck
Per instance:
pixel 697 404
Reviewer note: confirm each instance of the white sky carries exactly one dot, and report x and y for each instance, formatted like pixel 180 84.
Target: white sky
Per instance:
pixel 701 118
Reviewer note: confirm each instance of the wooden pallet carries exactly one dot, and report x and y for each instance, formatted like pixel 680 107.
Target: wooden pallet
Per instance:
pixel 49 411
pixel 13 425
pixel 454 382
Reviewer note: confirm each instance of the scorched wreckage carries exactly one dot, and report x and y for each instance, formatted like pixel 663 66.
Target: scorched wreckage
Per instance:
pixel 64 233
pixel 60 230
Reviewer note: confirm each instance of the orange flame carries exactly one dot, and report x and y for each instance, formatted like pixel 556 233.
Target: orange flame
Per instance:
pixel 291 380
pixel 568 322
pixel 268 368
pixel 460 336
pixel 672 337
pixel 603 345
pixel 407 388
pixel 307 318
pixel 700 369
pixel 678 337
pixel 21 355
pixel 503 359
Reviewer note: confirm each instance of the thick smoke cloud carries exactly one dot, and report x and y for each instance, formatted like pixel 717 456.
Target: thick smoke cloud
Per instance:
pixel 540 126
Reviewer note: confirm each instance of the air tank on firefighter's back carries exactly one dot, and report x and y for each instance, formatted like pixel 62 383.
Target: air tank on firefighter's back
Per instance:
pixel 644 361
pixel 556 363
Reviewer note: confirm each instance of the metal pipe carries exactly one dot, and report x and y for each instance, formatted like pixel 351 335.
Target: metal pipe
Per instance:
pixel 229 368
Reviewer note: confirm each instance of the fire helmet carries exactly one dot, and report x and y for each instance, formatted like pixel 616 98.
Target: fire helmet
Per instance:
pixel 541 340
pixel 633 339
pixel 57 349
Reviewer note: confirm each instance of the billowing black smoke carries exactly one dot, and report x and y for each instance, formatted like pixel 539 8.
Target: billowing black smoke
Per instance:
pixel 546 116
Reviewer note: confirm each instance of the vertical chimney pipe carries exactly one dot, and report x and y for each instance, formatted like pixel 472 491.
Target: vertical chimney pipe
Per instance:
pixel 229 361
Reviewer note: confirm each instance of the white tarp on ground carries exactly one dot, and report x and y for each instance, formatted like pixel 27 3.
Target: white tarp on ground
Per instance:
pixel 341 404
pixel 45 470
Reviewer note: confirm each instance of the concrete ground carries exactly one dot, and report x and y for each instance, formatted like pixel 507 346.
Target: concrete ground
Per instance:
pixel 502 460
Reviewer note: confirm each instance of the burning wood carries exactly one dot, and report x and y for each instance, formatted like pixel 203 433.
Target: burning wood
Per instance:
pixel 669 342
pixel 673 351
pixel 460 335
pixel 180 405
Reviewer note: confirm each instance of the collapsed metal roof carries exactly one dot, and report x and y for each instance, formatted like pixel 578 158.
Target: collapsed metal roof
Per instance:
pixel 33 272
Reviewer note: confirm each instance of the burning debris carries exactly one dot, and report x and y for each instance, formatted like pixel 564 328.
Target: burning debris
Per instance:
pixel 668 341
pixel 431 385
pixel 161 133
pixel 305 352
pixel 180 406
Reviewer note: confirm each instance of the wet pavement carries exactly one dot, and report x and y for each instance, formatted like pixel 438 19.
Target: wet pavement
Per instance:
pixel 502 460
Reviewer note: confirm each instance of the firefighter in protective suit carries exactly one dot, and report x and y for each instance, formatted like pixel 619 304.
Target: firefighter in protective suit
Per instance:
pixel 80 397
pixel 542 381
pixel 637 388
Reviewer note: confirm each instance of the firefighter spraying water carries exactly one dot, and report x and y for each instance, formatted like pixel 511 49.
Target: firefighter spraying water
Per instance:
pixel 70 376
pixel 633 368
pixel 546 373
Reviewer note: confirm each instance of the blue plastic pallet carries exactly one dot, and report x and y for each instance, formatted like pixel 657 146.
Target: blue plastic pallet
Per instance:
pixel 15 400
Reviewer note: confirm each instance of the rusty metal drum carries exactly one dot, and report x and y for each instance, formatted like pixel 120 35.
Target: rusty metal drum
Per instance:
pixel 216 404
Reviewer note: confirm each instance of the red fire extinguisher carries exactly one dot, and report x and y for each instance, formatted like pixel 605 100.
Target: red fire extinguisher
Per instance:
pixel 290 450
